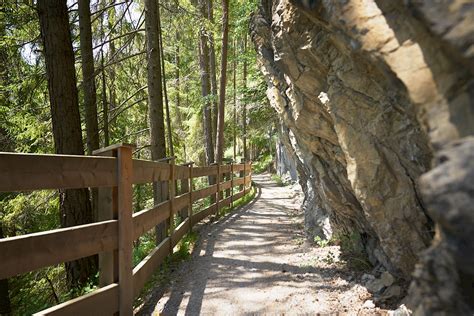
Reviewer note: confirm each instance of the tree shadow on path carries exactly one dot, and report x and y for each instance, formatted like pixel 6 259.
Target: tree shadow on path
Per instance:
pixel 246 242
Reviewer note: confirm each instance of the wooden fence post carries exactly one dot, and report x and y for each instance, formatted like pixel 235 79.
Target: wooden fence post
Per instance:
pixel 227 178
pixel 191 189
pixel 172 192
pixel 242 174
pixel 250 172
pixel 218 193
pixel 107 209
pixel 183 213
pixel 245 174
pixel 232 183
pixel 125 229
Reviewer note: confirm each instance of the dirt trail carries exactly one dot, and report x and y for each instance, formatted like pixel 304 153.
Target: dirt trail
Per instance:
pixel 254 261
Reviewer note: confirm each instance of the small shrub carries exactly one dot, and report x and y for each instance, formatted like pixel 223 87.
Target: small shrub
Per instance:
pixel 262 164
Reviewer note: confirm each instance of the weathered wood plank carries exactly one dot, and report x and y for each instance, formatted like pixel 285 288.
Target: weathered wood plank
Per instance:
pixel 228 177
pixel 26 253
pixel 145 171
pixel 172 192
pixel 191 189
pixel 218 190
pixel 108 261
pixel 103 301
pixel 107 210
pixel 224 168
pixel 143 271
pixel 238 181
pixel 204 171
pixel 225 202
pixel 179 232
pixel 112 148
pixel 24 172
pixel 145 220
pixel 243 175
pixel 181 172
pixel 232 175
pixel 204 213
pixel 203 193
pixel 180 202
pixel 125 230
pixel 248 182
pixel 226 185
pixel 239 195
pixel 238 167
pixel 183 210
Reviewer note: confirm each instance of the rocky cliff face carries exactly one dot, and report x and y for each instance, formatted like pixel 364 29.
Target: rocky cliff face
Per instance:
pixel 368 92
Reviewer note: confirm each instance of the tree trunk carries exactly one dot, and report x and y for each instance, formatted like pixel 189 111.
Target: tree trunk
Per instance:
pixel 105 105
pixel 222 90
pixel 112 74
pixel 179 122
pixel 179 115
pixel 212 71
pixel 205 88
pixel 244 103
pixel 74 204
pixel 155 101
pixel 89 89
pixel 179 119
pixel 234 73
pixel 88 84
pixel 167 106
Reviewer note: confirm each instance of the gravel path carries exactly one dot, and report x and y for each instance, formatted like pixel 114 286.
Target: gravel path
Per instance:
pixel 255 261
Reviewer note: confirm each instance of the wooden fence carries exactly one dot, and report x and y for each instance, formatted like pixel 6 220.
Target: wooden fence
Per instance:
pixel 114 172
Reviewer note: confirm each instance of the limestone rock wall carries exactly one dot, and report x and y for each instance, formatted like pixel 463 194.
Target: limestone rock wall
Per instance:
pixel 284 163
pixel 368 92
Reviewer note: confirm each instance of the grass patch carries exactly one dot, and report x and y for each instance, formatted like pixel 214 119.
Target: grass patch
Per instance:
pixel 142 247
pixel 238 203
pixel 278 180
pixel 246 198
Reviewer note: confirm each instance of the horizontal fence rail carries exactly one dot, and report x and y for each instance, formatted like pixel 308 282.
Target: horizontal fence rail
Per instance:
pixel 113 171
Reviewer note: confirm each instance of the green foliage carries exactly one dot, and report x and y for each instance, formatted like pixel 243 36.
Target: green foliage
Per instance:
pixel 247 198
pixel 25 120
pixel 263 163
pixel 185 247
pixel 143 247
pixel 33 292
pixel 278 180
pixel 321 242
pixel 28 213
